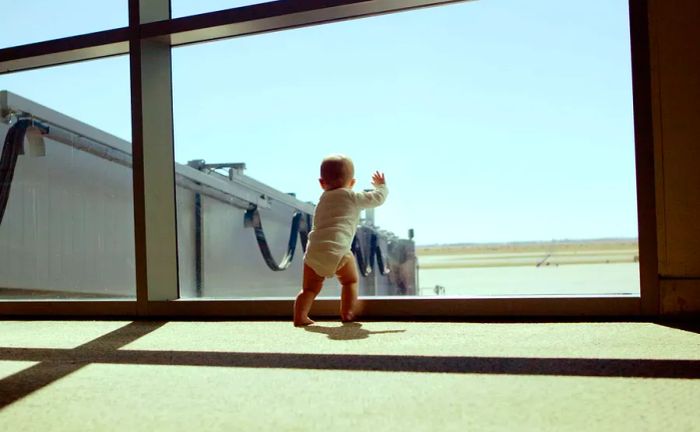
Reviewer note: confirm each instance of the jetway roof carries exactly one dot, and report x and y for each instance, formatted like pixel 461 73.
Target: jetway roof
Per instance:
pixel 241 185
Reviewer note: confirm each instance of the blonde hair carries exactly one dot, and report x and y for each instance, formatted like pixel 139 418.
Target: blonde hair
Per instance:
pixel 337 170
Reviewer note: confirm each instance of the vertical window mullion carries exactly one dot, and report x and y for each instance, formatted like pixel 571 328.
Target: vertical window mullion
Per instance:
pixel 153 153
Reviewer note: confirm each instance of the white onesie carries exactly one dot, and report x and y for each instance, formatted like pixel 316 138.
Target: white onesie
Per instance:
pixel 335 222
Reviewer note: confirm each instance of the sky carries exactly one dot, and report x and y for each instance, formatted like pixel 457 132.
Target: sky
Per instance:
pixel 494 120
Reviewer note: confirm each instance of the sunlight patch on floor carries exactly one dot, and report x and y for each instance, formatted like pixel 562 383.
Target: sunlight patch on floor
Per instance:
pixel 10 367
pixel 552 340
pixel 185 398
pixel 54 334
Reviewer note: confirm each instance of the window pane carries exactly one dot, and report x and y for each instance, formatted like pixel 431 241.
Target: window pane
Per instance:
pixel 505 130
pixel 66 229
pixel 40 20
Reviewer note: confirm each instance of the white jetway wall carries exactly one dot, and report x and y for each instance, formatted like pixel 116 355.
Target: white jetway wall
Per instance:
pixel 232 265
pixel 68 227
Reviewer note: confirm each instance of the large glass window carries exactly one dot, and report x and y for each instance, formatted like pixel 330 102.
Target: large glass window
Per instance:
pixel 66 207
pixel 24 23
pixel 505 130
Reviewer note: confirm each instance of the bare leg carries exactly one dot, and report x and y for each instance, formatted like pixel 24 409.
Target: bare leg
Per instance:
pixel 347 275
pixel 302 305
pixel 310 288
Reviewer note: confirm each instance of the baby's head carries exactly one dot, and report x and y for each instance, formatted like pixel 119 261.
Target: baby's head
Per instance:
pixel 337 171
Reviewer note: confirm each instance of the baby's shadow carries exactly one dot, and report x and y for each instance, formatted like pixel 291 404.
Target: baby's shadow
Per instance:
pixel 348 331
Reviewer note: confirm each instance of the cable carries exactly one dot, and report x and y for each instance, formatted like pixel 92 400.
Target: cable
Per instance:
pixel 12 148
pixel 366 263
pixel 301 225
pixel 376 251
pixel 362 264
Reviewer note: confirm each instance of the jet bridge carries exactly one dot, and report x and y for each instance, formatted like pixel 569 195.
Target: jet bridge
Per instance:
pixel 66 221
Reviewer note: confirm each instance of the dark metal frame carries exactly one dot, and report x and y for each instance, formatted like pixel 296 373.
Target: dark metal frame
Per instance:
pixel 644 157
pixel 144 34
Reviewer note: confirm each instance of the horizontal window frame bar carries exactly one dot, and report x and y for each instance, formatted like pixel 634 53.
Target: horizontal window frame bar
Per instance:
pixel 275 16
pixel 68 308
pixel 223 24
pixel 374 308
pixel 54 52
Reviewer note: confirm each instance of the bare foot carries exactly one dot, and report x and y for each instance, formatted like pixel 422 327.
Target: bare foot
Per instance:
pixel 347 317
pixel 351 316
pixel 304 322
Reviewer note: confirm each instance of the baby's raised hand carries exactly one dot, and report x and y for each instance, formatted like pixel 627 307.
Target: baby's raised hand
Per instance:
pixel 378 179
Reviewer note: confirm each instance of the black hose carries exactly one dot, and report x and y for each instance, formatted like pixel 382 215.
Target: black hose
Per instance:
pixel 376 251
pixel 366 257
pixel 362 264
pixel 12 148
pixel 301 225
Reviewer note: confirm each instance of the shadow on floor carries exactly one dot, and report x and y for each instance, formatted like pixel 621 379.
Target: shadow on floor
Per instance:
pixel 689 326
pixel 348 331
pixel 48 370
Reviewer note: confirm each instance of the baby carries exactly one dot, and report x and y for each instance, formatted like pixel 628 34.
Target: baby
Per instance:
pixel 335 222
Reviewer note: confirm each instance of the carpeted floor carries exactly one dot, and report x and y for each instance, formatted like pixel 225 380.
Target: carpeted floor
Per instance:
pixel 378 376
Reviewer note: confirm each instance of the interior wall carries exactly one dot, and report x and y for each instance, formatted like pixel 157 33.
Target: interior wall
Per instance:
pixel 674 36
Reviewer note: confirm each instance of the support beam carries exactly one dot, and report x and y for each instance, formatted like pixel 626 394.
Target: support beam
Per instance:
pixel 644 158
pixel 66 50
pixel 272 16
pixel 153 158
pixel 154 21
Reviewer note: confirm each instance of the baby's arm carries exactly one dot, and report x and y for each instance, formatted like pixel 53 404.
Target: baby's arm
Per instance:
pixel 377 196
